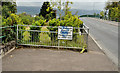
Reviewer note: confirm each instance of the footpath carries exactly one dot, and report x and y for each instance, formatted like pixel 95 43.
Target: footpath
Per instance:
pixel 40 59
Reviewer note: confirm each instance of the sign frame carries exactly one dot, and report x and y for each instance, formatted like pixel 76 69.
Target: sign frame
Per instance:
pixel 65 33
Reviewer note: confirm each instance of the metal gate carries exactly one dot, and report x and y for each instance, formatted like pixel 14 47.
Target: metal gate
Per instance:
pixel 47 36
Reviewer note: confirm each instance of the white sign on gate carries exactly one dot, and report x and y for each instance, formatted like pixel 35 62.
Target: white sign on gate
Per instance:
pixel 65 32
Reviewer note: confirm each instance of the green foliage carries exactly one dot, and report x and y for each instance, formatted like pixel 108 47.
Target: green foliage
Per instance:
pixel 59 4
pixel 0 20
pixel 47 12
pixel 26 35
pixel 37 23
pixel 72 20
pixel 26 19
pixel 9 18
pixel 12 20
pixel 8 21
pixel 8 8
pixel 53 22
pixel 37 18
pixel 114 10
pixel 102 14
pixel 43 36
pixel 68 20
pixel 114 14
pixel 67 8
pixel 42 22
pixel 15 19
pixel 9 34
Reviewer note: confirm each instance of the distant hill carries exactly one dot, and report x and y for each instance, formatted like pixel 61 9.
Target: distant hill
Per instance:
pixel 29 10
pixel 36 10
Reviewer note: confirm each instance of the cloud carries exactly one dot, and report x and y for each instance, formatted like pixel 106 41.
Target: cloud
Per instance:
pixel 88 5
pixel 31 0
pixel 62 0
pixel 81 4
pixel 29 4
pixel 75 5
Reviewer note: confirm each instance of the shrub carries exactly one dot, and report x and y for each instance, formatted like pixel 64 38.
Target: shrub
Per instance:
pixel 68 20
pixel 43 36
pixel 12 20
pixel 26 19
pixel 26 35
pixel 72 20
pixel 54 23
pixel 42 22
pixel 9 35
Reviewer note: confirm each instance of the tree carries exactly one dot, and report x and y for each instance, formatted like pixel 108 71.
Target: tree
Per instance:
pixel 102 14
pixel 114 9
pixel 46 11
pixel 114 14
pixel 95 14
pixel 68 8
pixel 8 8
pixel 119 11
pixel 61 6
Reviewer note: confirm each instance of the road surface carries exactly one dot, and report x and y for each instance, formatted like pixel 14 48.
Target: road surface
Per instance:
pixel 106 35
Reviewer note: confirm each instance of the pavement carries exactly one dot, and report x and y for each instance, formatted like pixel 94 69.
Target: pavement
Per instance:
pixel 105 33
pixel 41 59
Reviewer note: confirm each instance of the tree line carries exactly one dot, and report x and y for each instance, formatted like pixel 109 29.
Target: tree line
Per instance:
pixel 112 11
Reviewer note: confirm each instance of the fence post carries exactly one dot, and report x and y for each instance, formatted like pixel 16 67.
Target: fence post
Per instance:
pixel 17 36
pixel 87 37
pixel 58 44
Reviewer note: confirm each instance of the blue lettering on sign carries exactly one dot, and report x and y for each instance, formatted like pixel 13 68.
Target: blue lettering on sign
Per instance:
pixel 64 31
pixel 64 36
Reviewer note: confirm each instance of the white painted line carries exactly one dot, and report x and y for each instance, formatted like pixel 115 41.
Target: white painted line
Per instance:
pixel 115 60
pixel 95 41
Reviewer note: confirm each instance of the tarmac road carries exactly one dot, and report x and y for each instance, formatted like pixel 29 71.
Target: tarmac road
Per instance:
pixel 106 35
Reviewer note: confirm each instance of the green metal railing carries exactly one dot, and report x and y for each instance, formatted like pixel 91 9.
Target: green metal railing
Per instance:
pixel 1 36
pixel 95 16
pixel 4 30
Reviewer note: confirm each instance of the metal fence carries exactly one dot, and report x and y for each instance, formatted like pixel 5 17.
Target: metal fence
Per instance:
pixel 47 36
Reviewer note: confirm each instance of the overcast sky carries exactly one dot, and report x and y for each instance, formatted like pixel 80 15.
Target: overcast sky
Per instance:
pixel 62 0
pixel 77 4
